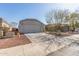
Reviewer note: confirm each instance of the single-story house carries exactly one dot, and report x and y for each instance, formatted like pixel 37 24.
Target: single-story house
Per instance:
pixel 31 26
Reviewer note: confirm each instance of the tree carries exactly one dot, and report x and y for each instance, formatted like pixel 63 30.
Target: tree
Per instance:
pixel 73 19
pixel 77 24
pixel 56 17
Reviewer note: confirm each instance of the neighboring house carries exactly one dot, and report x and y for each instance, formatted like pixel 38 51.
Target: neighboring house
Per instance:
pixel 4 26
pixel 31 26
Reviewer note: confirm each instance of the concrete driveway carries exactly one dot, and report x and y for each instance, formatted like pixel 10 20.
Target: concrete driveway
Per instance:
pixel 45 44
pixel 70 50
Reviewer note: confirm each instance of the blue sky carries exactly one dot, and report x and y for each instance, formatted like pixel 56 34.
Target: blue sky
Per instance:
pixel 16 12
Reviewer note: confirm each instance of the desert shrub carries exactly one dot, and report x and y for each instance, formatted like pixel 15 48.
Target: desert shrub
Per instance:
pixel 50 28
pixel 54 28
pixel 57 28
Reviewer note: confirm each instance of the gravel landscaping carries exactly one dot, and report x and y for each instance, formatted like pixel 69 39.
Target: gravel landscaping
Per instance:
pixel 15 41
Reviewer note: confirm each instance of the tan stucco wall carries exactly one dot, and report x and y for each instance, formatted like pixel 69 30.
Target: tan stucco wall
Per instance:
pixel 6 26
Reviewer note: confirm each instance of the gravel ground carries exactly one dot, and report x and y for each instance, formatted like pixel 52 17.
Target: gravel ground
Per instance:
pixel 15 41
